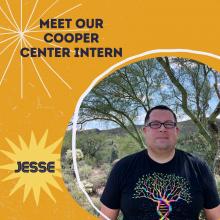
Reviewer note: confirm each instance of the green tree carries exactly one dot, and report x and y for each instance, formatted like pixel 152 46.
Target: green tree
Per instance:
pixel 122 96
pixel 96 147
pixel 187 86
pixel 192 82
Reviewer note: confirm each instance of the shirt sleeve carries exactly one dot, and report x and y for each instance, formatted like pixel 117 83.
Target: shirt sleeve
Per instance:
pixel 112 194
pixel 211 197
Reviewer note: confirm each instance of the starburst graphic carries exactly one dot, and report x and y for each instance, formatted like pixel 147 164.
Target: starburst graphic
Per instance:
pixel 35 151
pixel 19 34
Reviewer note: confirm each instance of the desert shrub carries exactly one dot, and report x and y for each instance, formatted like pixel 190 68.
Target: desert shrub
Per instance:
pixel 78 195
pixel 89 187
pixel 99 182
pixel 85 171
pixel 90 161
pixel 96 202
pixel 68 157
pixel 106 167
pixel 194 143
pixel 97 148
pixel 79 154
pixel 103 156
pixel 126 145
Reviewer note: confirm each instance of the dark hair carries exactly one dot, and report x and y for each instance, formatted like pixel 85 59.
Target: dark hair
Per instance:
pixel 160 107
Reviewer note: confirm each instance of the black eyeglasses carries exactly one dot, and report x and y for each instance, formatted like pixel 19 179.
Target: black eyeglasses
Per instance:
pixel 157 124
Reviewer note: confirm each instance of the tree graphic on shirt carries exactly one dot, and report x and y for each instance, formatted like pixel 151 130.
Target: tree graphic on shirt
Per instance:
pixel 163 189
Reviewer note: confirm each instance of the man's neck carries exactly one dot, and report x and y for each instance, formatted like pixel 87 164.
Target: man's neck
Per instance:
pixel 161 157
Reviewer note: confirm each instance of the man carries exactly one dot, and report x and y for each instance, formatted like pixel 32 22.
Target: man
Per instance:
pixel 160 183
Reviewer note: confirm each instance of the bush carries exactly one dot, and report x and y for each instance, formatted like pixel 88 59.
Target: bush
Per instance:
pixel 85 171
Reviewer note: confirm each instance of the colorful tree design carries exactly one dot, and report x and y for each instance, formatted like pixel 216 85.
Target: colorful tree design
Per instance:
pixel 163 189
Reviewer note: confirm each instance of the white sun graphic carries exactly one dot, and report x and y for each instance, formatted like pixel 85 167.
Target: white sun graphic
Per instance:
pixel 20 33
pixel 34 151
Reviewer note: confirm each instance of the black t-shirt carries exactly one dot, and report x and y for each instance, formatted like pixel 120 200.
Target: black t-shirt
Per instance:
pixel 146 190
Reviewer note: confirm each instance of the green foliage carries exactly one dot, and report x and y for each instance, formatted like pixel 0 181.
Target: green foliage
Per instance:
pixel 126 145
pixel 79 154
pixel 85 171
pixel 68 156
pixel 79 196
pixel 67 142
pixel 97 148
pixel 195 144
pixel 99 182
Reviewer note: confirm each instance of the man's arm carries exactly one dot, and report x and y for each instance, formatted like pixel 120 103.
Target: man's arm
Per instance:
pixel 213 214
pixel 110 213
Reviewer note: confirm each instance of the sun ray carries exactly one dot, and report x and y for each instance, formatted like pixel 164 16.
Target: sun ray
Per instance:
pixel 19 184
pixel 33 10
pixel 9 155
pixel 38 74
pixel 7 29
pixel 8 46
pixel 12 176
pixel 8 39
pixel 27 190
pixel 36 191
pixel 55 45
pixel 43 139
pixel 13 146
pixel 33 142
pixel 6 16
pixel 21 14
pixel 47 190
pixel 45 11
pixel 54 183
pixel 12 16
pixel 51 148
pixel 22 73
pixel 22 143
pixel 7 33
pixel 3 76
pixel 74 7
pixel 51 68
pixel 63 13
pixel 10 166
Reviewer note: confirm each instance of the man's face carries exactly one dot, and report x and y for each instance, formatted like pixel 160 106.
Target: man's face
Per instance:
pixel 161 139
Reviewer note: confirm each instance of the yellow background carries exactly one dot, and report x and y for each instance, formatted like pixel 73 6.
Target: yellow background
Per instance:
pixel 136 26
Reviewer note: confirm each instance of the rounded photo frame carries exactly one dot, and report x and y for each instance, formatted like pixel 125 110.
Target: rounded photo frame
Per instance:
pixel 136 58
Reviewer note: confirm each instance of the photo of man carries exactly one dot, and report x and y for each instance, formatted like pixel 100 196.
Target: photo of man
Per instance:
pixel 161 182
pixel 132 153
